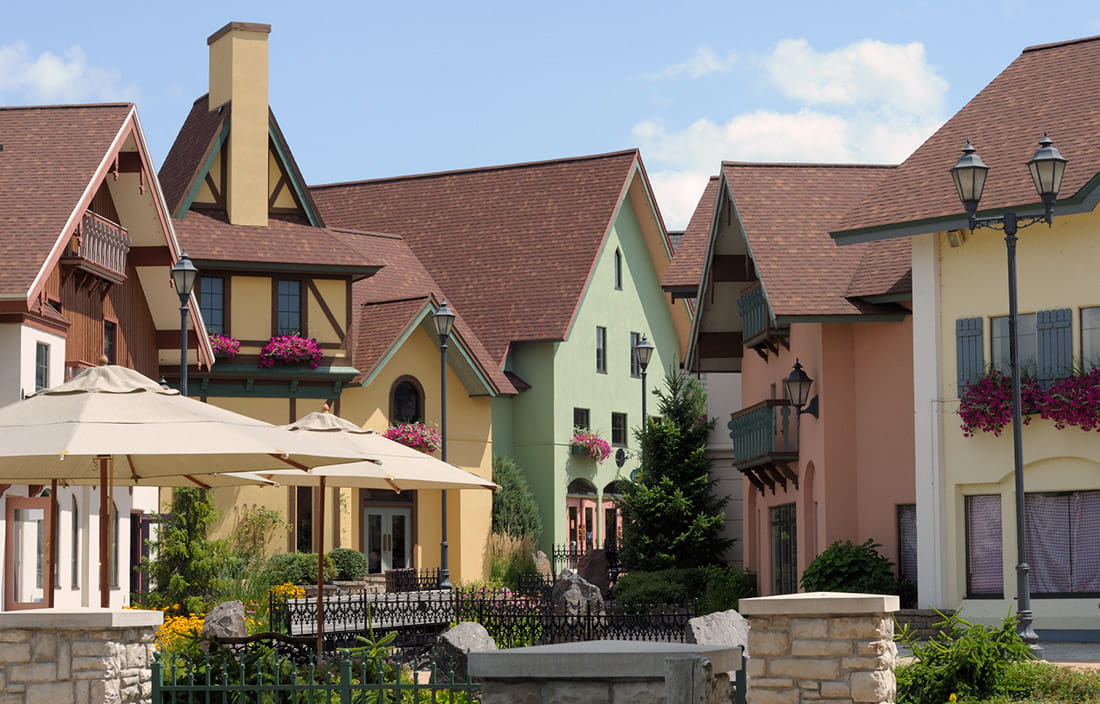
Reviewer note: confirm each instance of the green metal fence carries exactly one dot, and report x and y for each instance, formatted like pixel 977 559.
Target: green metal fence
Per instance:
pixel 278 680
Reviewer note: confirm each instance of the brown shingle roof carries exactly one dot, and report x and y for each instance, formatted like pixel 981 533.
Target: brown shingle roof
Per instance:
pixel 885 269
pixel 385 304
pixel 194 143
pixel 50 155
pixel 786 210
pixel 1054 87
pixel 686 268
pixel 513 245
pixel 209 236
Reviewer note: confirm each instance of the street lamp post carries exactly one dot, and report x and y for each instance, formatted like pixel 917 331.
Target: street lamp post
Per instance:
pixel 444 320
pixel 184 275
pixel 643 352
pixel 1047 166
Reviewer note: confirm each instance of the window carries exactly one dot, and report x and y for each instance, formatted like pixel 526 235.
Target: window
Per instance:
pixel 1029 343
pixel 110 332
pixel 618 429
pixel 41 366
pixel 288 308
pixel 1090 336
pixel 907 541
pixel 1063 530
pixel 581 418
pixel 212 302
pixel 601 349
pixel 635 368
pixel 984 565
pixel 784 553
pixel 618 270
pixel 74 543
pixel 407 401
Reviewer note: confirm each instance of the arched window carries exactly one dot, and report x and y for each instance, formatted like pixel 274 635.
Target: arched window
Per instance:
pixel 407 401
pixel 74 540
pixel 581 487
pixel 618 270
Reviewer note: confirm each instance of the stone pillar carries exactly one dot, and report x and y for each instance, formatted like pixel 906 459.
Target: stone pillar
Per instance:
pixel 821 646
pixel 606 672
pixel 77 657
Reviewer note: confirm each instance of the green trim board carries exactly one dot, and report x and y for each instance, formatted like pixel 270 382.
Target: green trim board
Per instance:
pixel 290 371
pixel 292 175
pixel 268 267
pixel 888 298
pixel 869 318
pixel 185 204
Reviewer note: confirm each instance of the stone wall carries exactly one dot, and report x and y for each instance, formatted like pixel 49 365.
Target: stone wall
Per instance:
pixel 821 646
pixel 606 672
pixel 77 657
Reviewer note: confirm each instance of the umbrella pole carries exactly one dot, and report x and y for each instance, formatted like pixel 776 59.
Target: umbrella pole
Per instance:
pixel 51 546
pixel 319 532
pixel 104 552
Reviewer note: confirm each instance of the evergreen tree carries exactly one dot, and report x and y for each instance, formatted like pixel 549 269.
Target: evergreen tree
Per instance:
pixel 186 571
pixel 671 517
pixel 514 509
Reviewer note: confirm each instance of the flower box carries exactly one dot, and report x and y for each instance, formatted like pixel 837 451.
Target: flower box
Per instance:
pixel 225 346
pixel 291 349
pixel 986 404
pixel 588 443
pixel 418 436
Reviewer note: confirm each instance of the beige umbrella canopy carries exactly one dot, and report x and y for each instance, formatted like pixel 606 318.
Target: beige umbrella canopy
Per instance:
pixel 392 466
pixel 113 423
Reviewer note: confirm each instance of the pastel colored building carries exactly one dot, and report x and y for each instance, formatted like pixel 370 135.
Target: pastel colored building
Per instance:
pixel 556 266
pixel 270 267
pixel 966 518
pixel 86 244
pixel 775 291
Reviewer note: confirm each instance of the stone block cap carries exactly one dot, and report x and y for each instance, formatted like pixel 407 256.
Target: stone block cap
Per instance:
pixel 818 604
pixel 596 659
pixel 80 618
pixel 238 27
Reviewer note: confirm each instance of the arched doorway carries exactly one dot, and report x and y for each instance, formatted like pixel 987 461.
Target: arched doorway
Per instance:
pixel 581 517
pixel 612 517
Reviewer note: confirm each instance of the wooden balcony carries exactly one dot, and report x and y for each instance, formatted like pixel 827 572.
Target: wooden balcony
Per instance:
pixel 98 248
pixel 759 330
pixel 765 443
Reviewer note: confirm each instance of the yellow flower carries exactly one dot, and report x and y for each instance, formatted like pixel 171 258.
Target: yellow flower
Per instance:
pixel 952 698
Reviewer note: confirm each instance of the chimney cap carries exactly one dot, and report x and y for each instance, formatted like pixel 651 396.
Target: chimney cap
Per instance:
pixel 238 27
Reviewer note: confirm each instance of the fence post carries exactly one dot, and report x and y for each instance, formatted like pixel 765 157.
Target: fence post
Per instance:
pixel 157 674
pixel 345 681
pixel 740 685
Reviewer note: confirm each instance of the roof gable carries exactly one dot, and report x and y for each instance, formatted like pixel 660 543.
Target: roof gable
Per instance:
pixel 512 245
pixel 1062 89
pixel 684 275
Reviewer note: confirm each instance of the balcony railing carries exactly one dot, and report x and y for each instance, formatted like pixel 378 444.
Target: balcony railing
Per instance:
pixel 99 247
pixel 756 323
pixel 764 434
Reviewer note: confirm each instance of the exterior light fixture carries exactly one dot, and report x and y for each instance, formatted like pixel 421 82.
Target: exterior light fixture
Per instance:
pixel 798 386
pixel 1047 166
pixel 184 275
pixel 444 321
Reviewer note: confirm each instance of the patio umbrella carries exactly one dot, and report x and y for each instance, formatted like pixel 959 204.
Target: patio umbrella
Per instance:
pixel 391 466
pixel 114 423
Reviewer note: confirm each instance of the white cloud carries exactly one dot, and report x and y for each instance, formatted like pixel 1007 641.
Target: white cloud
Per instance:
pixel 869 102
pixel 50 78
pixel 704 62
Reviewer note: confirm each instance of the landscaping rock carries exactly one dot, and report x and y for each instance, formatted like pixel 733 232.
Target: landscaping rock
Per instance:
pixel 575 596
pixel 226 620
pixel 542 565
pixel 720 628
pixel 452 649
pixel 594 568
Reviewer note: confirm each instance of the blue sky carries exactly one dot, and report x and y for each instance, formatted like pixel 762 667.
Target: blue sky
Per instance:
pixel 370 89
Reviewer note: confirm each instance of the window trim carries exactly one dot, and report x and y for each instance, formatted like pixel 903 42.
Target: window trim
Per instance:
pixel 303 320
pixel 615 415
pixel 587 425
pixel 601 349
pixel 41 366
pixel 225 307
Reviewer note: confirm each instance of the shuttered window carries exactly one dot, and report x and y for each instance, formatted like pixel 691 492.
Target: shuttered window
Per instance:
pixel 1090 337
pixel 1029 346
pixel 1054 330
pixel 970 359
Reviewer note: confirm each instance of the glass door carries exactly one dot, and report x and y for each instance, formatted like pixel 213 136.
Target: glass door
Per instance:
pixel 27 560
pixel 387 538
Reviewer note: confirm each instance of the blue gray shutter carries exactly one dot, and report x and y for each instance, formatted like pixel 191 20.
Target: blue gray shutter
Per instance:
pixel 970 358
pixel 1054 329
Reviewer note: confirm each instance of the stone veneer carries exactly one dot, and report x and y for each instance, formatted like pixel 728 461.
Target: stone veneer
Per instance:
pixel 90 656
pixel 824 646
pixel 606 672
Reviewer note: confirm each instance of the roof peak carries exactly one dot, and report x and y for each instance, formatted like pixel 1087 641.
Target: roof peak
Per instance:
pixel 479 169
pixel 1054 45
pixel 802 165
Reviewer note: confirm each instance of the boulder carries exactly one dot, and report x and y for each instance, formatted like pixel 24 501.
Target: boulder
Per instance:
pixel 720 628
pixel 542 565
pixel 453 647
pixel 226 620
pixel 594 568
pixel 574 596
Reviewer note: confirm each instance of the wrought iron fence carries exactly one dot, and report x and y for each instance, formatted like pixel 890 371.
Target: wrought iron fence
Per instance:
pixel 412 580
pixel 569 556
pixel 220 680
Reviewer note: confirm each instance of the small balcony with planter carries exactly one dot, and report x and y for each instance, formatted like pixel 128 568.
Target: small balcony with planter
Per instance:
pixel 759 330
pixel 765 443
pixel 98 248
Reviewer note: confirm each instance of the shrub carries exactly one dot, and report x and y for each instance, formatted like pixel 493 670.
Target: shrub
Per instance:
pixel 712 588
pixel 847 567
pixel 350 564
pixel 1047 681
pixel 514 509
pixel 296 568
pixel 509 557
pixel 964 659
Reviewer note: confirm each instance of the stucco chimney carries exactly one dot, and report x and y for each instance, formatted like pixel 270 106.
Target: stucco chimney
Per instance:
pixel 238 76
